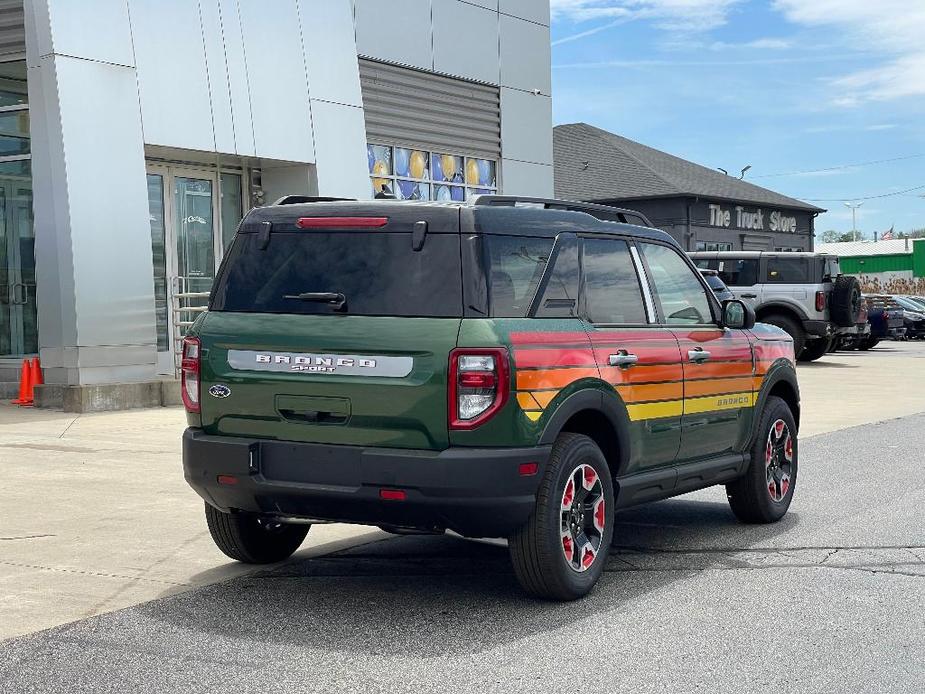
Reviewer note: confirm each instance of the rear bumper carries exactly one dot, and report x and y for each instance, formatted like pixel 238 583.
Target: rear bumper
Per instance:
pixel 477 492
pixel 819 328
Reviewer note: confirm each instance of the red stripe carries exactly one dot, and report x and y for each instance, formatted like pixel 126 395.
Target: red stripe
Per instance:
pixel 532 358
pixel 548 338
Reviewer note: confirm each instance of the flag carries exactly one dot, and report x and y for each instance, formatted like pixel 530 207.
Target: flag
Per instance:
pixel 887 235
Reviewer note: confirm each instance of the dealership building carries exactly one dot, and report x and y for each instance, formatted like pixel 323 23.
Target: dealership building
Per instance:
pixel 702 208
pixel 136 134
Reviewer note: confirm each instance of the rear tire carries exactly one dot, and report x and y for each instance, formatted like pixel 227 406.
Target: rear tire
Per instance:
pixel 248 538
pixel 789 326
pixel 815 349
pixel 867 344
pixel 763 494
pixel 560 552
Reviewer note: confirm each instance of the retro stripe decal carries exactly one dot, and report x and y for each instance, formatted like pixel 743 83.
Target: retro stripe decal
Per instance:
pixel 654 388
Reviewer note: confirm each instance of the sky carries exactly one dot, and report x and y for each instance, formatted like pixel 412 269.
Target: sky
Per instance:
pixel 810 93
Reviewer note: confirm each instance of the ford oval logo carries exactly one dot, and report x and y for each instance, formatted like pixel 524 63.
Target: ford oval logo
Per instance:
pixel 219 391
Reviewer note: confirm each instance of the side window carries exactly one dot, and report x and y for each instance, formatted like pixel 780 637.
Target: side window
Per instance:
pixel 611 286
pixel 682 297
pixel 516 265
pixel 560 295
pixel 706 263
pixel 739 273
pixel 783 270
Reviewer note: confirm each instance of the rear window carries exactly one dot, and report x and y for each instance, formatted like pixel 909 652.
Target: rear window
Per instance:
pixel 515 268
pixel 782 270
pixel 739 273
pixel 377 273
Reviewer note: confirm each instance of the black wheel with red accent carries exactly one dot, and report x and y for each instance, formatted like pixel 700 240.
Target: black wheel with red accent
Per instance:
pixel 559 554
pixel 764 493
pixel 251 539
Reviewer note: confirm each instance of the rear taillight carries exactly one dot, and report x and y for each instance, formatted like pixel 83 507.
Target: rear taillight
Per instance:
pixel 479 385
pixel 189 373
pixel 820 301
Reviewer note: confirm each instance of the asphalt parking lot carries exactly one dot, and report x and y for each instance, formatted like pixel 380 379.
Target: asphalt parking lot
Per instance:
pixel 829 600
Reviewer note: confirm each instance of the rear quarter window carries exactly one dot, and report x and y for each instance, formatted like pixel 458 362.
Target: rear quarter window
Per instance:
pixel 783 270
pixel 739 273
pixel 515 267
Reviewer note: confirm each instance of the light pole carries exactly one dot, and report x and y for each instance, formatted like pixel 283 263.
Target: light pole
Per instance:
pixel 854 222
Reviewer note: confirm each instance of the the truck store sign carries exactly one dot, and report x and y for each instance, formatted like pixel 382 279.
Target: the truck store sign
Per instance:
pixel 754 220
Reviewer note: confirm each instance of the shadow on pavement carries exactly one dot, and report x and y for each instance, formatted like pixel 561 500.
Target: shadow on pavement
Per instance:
pixel 427 596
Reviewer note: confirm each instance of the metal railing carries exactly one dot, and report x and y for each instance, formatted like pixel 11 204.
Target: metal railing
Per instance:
pixel 184 315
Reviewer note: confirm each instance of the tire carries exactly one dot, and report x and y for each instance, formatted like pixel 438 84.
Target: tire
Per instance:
pixel 815 349
pixel 867 344
pixel 789 326
pixel 752 497
pixel 545 552
pixel 247 538
pixel 845 304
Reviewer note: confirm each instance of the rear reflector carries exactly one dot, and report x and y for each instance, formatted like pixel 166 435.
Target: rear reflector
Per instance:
pixel 227 479
pixel 392 494
pixel 528 469
pixel 820 301
pixel 341 222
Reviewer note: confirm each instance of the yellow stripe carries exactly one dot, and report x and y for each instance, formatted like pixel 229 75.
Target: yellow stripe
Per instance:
pixel 715 403
pixel 533 416
pixel 654 410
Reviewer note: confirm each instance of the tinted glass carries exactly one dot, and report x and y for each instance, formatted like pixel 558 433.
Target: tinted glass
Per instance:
pixel 515 267
pixel 560 297
pixel 715 282
pixel 783 270
pixel 739 273
pixel 682 297
pixel 612 292
pixel 378 274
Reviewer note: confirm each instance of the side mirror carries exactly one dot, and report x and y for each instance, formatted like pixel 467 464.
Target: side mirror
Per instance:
pixel 738 315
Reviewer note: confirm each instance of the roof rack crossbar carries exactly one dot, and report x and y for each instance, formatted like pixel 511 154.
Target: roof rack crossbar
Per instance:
pixel 604 212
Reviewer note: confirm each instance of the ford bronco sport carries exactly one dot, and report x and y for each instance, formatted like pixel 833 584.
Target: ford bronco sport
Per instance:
pixel 504 368
pixel 804 294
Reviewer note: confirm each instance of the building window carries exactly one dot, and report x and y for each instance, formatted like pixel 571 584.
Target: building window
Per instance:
pixel 712 246
pixel 415 174
pixel 789 249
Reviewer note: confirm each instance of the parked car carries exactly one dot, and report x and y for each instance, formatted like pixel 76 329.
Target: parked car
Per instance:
pixel 804 294
pixel 717 285
pixel 886 320
pixel 495 368
pixel 913 316
pixel 853 338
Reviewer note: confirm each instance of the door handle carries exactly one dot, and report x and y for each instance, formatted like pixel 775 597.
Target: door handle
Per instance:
pixel 14 294
pixel 749 296
pixel 623 359
pixel 698 355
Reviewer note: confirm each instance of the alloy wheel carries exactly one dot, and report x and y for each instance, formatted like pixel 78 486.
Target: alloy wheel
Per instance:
pixel 778 461
pixel 582 517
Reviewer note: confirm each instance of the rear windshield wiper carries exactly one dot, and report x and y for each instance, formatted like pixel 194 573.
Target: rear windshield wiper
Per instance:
pixel 336 299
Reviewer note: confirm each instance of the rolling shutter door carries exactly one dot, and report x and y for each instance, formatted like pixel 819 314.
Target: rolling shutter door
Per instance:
pixel 427 111
pixel 12 29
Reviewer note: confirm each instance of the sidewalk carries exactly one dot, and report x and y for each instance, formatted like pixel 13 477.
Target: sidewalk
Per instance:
pixel 95 515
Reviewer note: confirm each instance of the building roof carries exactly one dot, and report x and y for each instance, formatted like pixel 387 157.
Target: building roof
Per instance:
pixel 846 249
pixel 593 164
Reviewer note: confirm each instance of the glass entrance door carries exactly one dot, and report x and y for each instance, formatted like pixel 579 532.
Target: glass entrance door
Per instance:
pixel 18 325
pixel 193 214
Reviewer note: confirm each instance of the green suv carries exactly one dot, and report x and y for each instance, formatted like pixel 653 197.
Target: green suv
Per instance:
pixel 514 368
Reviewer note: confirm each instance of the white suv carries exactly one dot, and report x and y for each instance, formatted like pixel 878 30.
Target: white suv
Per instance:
pixel 803 293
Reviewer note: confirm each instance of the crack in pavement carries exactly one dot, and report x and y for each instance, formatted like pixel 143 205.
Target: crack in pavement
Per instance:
pixel 26 537
pixel 100 574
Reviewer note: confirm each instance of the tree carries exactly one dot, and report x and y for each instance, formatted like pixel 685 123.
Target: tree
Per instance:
pixel 832 236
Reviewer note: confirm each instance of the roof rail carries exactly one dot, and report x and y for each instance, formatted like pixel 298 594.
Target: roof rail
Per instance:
pixel 300 199
pixel 606 213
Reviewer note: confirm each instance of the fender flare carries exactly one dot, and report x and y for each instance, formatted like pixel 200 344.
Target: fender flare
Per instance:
pixel 608 404
pixel 780 371
pixel 781 307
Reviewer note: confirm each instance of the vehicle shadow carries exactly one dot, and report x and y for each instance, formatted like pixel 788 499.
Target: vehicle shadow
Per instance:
pixel 822 364
pixel 428 596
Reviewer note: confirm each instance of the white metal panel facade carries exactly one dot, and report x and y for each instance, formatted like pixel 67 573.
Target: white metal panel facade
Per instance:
pixel 477 56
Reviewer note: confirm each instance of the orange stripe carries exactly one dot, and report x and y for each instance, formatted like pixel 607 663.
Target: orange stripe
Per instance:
pixel 648 393
pixel 545 397
pixel 528 402
pixel 708 370
pixel 642 373
pixel 552 378
pixel 693 389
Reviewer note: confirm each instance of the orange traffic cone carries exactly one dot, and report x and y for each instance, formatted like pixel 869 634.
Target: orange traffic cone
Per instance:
pixel 37 378
pixel 25 385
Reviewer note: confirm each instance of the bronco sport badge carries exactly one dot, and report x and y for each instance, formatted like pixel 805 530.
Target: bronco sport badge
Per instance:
pixel 343 364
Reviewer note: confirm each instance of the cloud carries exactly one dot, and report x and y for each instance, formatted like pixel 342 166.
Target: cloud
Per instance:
pixel 892 27
pixel 761 44
pixel 675 15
